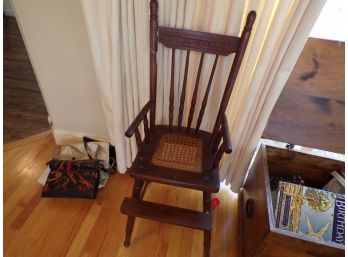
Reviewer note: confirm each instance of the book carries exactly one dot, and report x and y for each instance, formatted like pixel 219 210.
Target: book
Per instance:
pixel 313 212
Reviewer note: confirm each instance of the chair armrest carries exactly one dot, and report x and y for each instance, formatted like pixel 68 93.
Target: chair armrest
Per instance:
pixel 226 135
pixel 141 116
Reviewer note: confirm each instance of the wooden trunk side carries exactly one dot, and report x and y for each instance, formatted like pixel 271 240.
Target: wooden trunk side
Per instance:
pixel 315 170
pixel 256 224
pixel 284 244
pixel 240 223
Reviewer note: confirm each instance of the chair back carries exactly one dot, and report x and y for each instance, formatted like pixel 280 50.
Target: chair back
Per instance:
pixel 205 43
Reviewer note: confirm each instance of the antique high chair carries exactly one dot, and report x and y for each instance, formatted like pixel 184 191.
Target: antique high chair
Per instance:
pixel 182 156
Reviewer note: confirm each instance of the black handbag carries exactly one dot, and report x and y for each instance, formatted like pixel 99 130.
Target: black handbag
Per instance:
pixel 77 173
pixel 73 179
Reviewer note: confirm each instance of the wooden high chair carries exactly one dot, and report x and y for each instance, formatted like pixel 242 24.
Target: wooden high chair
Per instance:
pixel 176 155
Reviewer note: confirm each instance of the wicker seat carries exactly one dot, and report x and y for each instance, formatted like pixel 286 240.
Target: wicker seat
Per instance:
pixel 179 152
pixel 167 159
pixel 176 155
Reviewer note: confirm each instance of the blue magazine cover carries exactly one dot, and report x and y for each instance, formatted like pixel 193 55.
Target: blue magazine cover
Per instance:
pixel 313 212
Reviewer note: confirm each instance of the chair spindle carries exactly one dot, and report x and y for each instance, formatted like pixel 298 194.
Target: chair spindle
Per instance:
pixel 194 97
pixel 237 61
pixel 171 96
pixel 216 143
pixel 219 155
pixel 205 99
pixel 146 130
pixel 183 90
pixel 139 142
pixel 153 63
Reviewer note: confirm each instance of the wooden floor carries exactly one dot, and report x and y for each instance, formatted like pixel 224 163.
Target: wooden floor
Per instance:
pixel 34 226
pixel 25 113
pixel 310 110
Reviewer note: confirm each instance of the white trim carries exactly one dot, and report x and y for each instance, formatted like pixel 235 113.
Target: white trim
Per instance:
pixel 63 136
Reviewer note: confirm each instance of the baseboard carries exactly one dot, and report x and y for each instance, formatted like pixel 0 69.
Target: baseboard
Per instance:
pixel 62 136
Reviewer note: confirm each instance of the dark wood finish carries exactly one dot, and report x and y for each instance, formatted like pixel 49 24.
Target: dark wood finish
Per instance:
pixel 171 95
pixel 153 62
pixel 313 169
pixel 219 155
pixel 223 133
pixel 268 241
pixel 207 232
pixel 140 117
pixel 137 188
pixel 138 141
pixel 144 169
pixel 167 214
pixel 310 110
pixel 206 94
pixel 183 90
pixel 158 160
pixel 143 191
pixel 195 92
pixel 209 182
pixel 206 202
pixel 237 61
pixel 198 41
pixel 240 230
pixel 146 130
pixel 226 135
pixel 24 111
pixel 298 246
pixel 217 141
pixel 253 237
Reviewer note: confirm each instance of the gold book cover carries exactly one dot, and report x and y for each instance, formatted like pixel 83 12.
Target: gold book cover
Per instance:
pixel 313 212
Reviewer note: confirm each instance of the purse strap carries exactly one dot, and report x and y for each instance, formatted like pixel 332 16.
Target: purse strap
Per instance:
pixel 112 151
pixel 85 141
pixel 58 147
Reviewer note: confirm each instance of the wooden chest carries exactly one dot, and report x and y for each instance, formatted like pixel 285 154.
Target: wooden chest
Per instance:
pixel 260 237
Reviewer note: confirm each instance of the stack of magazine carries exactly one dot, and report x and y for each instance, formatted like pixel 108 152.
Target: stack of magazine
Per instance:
pixel 312 212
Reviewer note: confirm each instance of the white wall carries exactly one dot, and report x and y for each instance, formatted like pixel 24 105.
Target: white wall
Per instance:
pixel 55 35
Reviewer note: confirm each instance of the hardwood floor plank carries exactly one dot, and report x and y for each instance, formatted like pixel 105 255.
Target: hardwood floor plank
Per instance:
pixel 25 113
pixel 35 226
pixel 18 144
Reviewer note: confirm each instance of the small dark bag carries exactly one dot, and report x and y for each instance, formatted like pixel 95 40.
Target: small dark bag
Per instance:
pixel 73 179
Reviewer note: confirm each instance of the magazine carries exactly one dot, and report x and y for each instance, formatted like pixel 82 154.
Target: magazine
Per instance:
pixel 313 212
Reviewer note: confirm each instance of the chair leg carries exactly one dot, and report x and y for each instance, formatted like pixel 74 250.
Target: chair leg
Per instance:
pixel 207 239
pixel 207 233
pixel 129 230
pixel 138 185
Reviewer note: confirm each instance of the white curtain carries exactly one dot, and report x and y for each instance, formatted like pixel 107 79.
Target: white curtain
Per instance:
pixel 119 38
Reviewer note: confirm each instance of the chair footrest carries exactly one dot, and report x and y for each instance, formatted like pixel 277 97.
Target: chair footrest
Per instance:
pixel 167 214
pixel 209 182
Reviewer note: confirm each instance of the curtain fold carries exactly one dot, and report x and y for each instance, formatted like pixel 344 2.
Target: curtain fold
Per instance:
pixel 119 39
